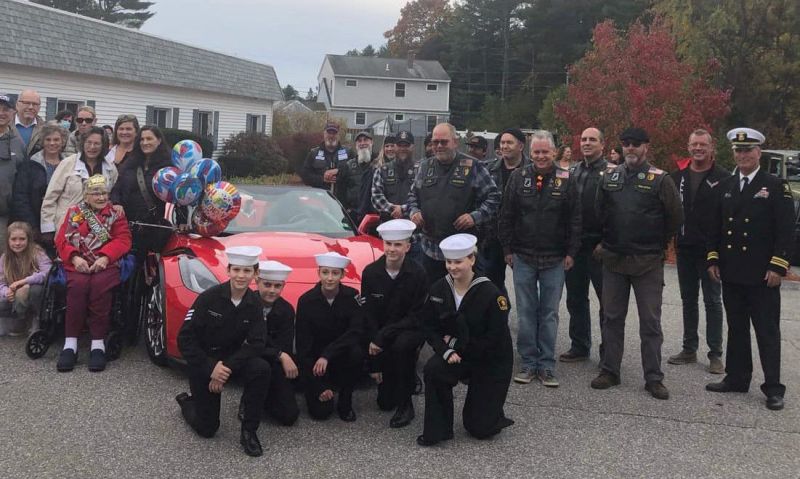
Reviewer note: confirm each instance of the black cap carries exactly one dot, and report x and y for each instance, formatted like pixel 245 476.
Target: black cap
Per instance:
pixel 515 132
pixel 478 141
pixel 6 100
pixel 428 139
pixel 405 137
pixel 364 133
pixel 390 140
pixel 635 134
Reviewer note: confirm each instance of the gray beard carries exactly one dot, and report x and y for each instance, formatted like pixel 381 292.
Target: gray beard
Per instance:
pixel 364 155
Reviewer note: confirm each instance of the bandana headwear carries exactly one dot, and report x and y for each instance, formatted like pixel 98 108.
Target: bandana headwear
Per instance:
pixel 96 182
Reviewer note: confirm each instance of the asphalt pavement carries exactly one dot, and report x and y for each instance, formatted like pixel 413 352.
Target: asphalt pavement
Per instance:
pixel 125 423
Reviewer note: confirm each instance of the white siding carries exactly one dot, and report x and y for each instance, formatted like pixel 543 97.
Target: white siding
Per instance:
pixel 377 115
pixel 325 74
pixel 114 97
pixel 373 93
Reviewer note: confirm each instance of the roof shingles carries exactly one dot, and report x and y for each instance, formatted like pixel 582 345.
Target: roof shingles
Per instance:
pixel 344 65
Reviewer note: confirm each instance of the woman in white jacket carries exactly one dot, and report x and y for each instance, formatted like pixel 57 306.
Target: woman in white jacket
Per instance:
pixel 66 187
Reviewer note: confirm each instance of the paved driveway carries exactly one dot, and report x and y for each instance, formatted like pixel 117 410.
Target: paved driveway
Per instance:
pixel 125 423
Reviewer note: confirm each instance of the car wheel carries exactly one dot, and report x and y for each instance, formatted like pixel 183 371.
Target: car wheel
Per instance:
pixel 155 325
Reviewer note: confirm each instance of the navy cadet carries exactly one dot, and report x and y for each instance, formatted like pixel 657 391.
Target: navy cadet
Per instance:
pixel 394 288
pixel 281 403
pixel 640 212
pixel 698 185
pixel 750 240
pixel 223 336
pixel 466 323
pixel 328 330
pixel 452 192
pixel 321 166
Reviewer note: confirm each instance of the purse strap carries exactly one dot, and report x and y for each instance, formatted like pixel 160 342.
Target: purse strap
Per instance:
pixel 143 189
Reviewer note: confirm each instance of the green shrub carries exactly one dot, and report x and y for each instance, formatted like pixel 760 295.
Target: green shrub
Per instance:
pixel 251 154
pixel 173 135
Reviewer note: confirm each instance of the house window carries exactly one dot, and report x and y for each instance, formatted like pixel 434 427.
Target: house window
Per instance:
pixel 361 118
pixel 205 123
pixel 399 117
pixel 432 120
pixel 253 123
pixel 432 87
pixel 71 105
pixel 161 117
pixel 400 90
pixel 351 82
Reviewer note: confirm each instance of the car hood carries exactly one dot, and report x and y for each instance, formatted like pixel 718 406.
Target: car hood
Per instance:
pixel 296 250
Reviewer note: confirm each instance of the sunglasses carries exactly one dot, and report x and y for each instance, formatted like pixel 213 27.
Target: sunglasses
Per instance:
pixel 83 120
pixel 440 142
pixel 633 143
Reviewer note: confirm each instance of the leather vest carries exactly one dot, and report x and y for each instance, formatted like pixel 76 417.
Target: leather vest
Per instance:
pixel 634 213
pixel 396 182
pixel 355 176
pixel 445 192
pixel 543 224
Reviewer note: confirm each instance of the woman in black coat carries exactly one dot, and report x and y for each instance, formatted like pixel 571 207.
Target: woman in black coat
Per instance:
pixel 150 154
pixel 466 324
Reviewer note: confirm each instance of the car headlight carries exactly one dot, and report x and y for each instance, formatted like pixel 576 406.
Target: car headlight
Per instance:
pixel 195 275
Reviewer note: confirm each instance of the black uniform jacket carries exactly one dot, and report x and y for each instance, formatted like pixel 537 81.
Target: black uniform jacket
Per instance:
pixel 479 326
pixel 215 329
pixel 752 230
pixel 393 305
pixel 280 329
pixel 327 330
pixel 319 160
pixel 697 209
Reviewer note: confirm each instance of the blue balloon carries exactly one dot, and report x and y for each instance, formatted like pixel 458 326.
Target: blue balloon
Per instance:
pixel 207 170
pixel 185 153
pixel 187 189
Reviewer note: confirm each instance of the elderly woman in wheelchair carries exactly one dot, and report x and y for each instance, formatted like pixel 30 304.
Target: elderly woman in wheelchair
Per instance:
pixel 92 240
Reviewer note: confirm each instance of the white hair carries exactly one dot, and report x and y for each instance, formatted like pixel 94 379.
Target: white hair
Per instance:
pixel 543 135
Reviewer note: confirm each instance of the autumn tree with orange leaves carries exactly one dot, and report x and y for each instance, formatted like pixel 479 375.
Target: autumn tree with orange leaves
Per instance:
pixel 420 23
pixel 637 79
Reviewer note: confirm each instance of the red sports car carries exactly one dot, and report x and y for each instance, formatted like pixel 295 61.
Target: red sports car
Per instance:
pixel 290 224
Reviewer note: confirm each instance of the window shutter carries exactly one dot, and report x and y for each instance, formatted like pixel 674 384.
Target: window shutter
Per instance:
pixel 216 129
pixel 90 103
pixel 149 114
pixel 247 120
pixel 175 116
pixel 51 108
pixel 196 121
pixel 263 123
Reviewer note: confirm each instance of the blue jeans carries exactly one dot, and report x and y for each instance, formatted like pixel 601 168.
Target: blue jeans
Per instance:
pixel 538 293
pixel 492 262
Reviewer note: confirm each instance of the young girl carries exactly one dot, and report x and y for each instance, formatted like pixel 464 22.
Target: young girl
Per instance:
pixel 23 269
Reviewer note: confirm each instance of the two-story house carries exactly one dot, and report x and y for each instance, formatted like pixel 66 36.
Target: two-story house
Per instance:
pixel 367 90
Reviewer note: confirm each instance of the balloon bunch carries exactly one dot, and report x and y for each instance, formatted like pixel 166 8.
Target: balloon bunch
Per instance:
pixel 196 181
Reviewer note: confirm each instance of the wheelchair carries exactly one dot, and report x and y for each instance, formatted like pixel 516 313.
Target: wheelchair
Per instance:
pixel 52 311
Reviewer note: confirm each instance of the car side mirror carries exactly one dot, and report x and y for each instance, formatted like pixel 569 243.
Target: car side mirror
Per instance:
pixel 369 224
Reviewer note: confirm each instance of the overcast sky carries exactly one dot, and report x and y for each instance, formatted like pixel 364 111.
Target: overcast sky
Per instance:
pixel 292 36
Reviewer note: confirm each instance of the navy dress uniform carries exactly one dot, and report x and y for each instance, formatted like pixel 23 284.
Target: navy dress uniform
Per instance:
pixel 330 329
pixel 393 302
pixel 477 325
pixel 217 329
pixel 750 240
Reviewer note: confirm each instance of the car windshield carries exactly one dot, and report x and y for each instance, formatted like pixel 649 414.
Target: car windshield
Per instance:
pixel 293 209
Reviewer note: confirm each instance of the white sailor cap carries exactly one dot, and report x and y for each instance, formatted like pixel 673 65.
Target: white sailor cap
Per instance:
pixel 745 137
pixel 458 246
pixel 273 271
pixel 332 259
pixel 394 230
pixel 243 255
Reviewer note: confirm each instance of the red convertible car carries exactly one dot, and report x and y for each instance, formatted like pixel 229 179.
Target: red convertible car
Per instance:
pixel 290 224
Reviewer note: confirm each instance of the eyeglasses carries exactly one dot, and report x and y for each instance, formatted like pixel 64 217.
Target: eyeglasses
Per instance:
pixel 83 120
pixel 633 143
pixel 440 142
pixel 29 103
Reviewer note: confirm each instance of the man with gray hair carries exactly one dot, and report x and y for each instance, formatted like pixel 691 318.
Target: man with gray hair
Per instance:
pixel 28 124
pixel 539 229
pixel 354 175
pixel 451 193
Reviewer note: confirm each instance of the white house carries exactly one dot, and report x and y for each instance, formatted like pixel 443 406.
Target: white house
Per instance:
pixel 366 90
pixel 73 61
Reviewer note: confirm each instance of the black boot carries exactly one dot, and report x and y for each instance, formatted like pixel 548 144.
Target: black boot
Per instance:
pixel 251 444
pixel 403 416
pixel 345 406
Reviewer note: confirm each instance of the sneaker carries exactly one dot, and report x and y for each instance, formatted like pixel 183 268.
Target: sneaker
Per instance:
pixel 524 377
pixel 605 380
pixel 716 366
pixel 657 389
pixel 66 360
pixel 546 377
pixel 97 360
pixel 683 357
